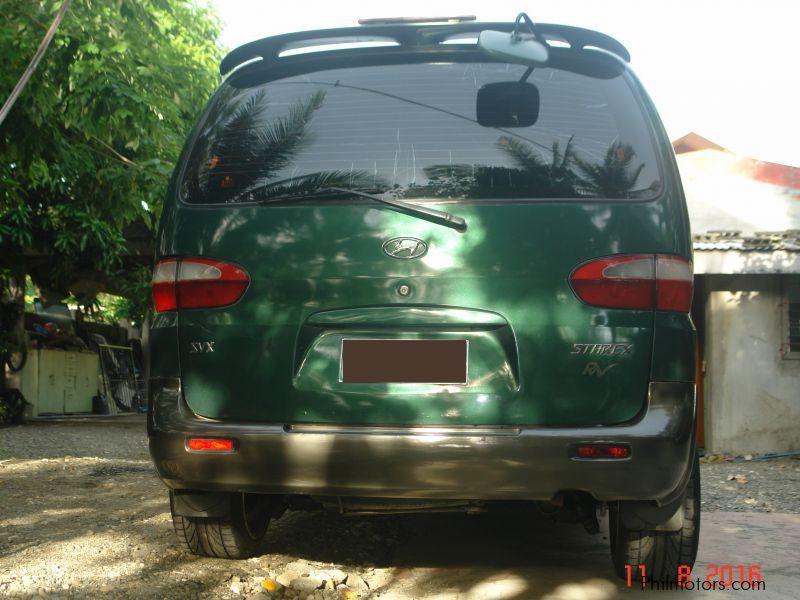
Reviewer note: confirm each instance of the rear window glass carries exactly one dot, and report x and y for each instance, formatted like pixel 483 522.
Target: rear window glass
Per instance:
pixel 411 130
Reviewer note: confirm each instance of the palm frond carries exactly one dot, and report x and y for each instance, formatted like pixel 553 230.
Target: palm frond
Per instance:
pixel 250 149
pixel 614 177
pixel 523 155
pixel 306 184
pixel 279 141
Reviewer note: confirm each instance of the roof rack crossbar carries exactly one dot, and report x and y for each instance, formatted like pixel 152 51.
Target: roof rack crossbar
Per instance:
pixel 410 36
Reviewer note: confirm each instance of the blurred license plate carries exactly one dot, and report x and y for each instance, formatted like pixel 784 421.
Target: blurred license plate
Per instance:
pixel 404 361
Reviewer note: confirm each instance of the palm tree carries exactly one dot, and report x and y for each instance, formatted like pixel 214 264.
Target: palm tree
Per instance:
pixel 556 179
pixel 612 178
pixel 248 149
pixel 239 156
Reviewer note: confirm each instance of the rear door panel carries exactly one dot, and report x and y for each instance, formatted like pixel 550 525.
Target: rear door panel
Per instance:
pixel 537 355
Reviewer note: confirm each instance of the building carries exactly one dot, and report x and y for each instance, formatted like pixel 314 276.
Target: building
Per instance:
pixel 745 218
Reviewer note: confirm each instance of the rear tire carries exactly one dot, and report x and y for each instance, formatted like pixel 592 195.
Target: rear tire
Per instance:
pixel 237 536
pixel 661 552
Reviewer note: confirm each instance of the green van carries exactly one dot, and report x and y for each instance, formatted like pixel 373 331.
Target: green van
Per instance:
pixel 415 266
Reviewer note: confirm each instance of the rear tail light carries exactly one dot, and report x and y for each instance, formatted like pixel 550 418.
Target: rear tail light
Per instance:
pixel 674 283
pixel 642 281
pixel 603 451
pixel 196 283
pixel 210 445
pixel 164 286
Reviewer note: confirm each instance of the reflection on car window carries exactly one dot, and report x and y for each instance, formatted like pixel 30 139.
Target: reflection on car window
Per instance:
pixel 411 130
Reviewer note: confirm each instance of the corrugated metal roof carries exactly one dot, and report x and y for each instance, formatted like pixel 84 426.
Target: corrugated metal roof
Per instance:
pixel 761 241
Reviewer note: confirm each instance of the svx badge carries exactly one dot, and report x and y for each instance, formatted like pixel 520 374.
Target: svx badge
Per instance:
pixel 201 347
pixel 405 248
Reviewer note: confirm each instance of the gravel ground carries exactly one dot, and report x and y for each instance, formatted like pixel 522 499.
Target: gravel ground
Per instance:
pixel 82 514
pixel 769 485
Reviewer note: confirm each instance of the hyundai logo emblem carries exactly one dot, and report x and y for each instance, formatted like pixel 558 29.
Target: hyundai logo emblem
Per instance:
pixel 405 248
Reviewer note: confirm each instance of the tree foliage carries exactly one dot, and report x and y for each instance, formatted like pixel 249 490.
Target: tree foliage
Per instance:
pixel 89 145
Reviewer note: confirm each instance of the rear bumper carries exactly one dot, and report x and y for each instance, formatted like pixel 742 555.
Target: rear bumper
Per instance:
pixel 511 463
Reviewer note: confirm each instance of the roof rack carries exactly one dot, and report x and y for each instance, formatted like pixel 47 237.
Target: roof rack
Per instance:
pixel 408 36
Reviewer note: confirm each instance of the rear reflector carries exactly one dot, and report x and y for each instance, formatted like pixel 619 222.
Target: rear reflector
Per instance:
pixel 210 445
pixel 602 451
pixel 196 283
pixel 642 281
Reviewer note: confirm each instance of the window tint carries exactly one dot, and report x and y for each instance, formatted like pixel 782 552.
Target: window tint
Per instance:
pixel 411 129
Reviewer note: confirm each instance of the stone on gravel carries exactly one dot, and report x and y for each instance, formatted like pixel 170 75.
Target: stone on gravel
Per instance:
pixel 379 578
pixel 293 570
pixel 357 584
pixel 306 584
pixel 337 576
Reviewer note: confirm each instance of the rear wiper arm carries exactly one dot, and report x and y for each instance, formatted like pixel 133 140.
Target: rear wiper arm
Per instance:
pixel 439 217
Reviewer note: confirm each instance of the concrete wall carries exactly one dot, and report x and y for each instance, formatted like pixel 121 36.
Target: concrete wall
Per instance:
pixel 752 393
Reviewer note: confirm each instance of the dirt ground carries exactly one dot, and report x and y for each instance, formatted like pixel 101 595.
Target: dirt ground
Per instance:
pixel 82 514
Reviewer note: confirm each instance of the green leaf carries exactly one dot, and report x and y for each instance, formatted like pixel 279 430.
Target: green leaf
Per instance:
pixel 112 79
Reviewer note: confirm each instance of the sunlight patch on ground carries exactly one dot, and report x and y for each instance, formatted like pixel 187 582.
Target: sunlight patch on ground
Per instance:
pixel 502 586
pixel 591 589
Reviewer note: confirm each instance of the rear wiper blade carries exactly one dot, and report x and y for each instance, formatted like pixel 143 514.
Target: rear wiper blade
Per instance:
pixel 432 215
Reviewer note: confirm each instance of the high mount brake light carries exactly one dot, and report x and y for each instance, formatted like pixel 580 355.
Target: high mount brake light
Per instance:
pixel 196 283
pixel 642 281
pixel 412 20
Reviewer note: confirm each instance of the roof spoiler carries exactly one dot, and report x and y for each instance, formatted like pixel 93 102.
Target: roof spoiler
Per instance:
pixel 404 37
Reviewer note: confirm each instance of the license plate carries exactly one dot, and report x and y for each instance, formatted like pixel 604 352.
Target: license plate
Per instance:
pixel 404 361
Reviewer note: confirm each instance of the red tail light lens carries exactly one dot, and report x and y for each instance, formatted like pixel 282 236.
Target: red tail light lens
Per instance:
pixel 164 286
pixel 210 445
pixel 602 451
pixel 206 283
pixel 642 281
pixel 196 283
pixel 674 283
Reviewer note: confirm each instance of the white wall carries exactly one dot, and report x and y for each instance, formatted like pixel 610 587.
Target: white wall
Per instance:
pixel 752 394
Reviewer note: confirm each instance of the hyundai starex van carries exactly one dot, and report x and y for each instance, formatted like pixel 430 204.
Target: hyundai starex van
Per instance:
pixel 413 266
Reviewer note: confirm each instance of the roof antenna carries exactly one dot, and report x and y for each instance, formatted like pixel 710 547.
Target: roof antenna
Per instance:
pixel 517 36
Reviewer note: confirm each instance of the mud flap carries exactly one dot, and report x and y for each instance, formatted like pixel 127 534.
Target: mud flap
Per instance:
pixel 647 516
pixel 200 504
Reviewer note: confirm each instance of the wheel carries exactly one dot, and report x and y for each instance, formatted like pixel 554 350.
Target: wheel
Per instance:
pixel 16 360
pixel 236 536
pixel 661 552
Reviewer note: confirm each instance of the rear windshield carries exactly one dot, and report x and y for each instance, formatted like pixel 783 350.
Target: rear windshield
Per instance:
pixel 411 130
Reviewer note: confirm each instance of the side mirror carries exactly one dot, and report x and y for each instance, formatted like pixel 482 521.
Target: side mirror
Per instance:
pixel 513 47
pixel 507 104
